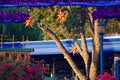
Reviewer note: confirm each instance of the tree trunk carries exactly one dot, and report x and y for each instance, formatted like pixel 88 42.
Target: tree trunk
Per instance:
pixel 64 51
pixel 83 50
pixel 95 53
pixel 95 45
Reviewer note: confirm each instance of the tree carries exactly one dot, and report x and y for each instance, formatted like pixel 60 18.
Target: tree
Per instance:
pixel 81 20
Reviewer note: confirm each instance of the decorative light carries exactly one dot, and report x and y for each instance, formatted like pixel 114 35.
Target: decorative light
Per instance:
pixel 61 16
pixel 74 49
pixel 28 22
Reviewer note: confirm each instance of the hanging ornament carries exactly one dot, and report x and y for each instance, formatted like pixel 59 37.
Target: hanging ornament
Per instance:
pixel 28 22
pixel 74 49
pixel 61 16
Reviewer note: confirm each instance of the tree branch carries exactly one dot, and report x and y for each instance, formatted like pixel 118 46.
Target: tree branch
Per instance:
pixel 64 51
pixel 91 21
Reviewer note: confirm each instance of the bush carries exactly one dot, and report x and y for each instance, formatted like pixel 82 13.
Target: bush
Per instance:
pixel 22 69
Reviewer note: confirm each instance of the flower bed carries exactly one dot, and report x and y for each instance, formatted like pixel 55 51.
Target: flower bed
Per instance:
pixel 22 69
pixel 105 76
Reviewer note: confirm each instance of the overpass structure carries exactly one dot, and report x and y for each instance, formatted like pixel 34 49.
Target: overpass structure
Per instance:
pixel 48 50
pixel 110 45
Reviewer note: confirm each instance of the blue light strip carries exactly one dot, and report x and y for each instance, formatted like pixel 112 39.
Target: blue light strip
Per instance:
pixel 46 4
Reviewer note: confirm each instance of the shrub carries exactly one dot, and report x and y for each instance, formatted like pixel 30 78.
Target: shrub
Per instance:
pixel 22 69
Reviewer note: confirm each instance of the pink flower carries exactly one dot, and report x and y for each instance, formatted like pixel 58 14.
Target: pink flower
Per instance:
pixel 30 69
pixel 22 70
pixel 10 78
pixel 37 65
pixel 105 76
pixel 7 65
pixel 1 73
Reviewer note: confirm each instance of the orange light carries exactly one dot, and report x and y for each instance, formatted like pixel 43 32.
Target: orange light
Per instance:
pixel 74 50
pixel 28 22
pixel 61 16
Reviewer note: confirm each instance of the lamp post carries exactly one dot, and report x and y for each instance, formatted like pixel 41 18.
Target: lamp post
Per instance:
pixel 101 30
